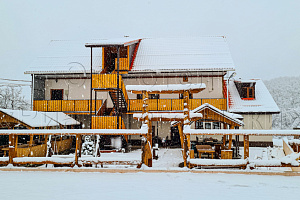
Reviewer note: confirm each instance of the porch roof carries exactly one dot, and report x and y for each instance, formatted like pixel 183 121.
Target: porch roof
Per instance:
pixel 35 119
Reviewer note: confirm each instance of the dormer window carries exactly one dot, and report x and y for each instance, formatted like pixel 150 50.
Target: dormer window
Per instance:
pixel 246 90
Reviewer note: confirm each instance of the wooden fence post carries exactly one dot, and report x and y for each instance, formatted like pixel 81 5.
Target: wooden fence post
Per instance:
pixel 11 144
pixel 246 146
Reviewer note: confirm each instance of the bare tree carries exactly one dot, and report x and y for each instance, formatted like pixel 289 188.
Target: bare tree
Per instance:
pixel 11 98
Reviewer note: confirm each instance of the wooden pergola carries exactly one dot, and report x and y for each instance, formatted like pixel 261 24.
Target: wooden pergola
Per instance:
pixel 145 90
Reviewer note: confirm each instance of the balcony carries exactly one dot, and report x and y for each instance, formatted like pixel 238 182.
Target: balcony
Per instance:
pixel 135 105
pixel 107 122
pixel 68 106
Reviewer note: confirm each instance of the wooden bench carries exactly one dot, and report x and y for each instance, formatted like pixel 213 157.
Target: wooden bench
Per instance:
pixel 205 149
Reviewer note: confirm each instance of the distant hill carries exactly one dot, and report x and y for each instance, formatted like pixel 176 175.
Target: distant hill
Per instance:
pixel 286 93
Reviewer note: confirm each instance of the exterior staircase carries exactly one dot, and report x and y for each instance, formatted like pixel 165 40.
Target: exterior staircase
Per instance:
pixel 229 99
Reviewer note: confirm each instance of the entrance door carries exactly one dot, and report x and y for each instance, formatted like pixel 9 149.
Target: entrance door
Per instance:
pixel 175 137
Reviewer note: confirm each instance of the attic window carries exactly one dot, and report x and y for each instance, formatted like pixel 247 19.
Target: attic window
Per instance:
pixel 246 90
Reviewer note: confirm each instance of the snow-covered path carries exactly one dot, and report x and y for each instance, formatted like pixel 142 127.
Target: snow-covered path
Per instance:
pixel 67 185
pixel 168 158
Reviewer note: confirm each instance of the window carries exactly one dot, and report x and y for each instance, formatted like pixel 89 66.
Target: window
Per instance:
pixel 185 79
pixel 139 96
pixel 57 94
pixel 246 90
pixel 181 96
pixel 216 125
pixel 199 125
pixel 153 96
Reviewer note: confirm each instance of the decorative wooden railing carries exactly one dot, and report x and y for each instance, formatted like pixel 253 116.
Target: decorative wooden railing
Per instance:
pixel 109 82
pixel 24 150
pixel 65 105
pixel 124 64
pixel 107 122
pixel 174 104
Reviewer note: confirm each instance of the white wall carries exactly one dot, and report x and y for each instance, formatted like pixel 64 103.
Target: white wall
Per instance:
pixel 74 89
pixel 214 86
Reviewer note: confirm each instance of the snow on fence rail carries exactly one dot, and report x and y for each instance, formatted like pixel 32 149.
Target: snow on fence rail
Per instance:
pixel 75 160
pixel 189 131
pixel 142 131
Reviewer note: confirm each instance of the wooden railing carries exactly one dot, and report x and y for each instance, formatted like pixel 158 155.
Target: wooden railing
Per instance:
pixel 65 105
pixel 109 82
pixel 107 122
pixel 124 64
pixel 174 104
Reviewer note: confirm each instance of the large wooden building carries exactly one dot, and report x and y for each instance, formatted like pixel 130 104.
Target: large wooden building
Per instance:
pixel 90 81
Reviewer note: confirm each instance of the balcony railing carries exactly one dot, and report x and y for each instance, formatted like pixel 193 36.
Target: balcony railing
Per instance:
pixel 174 104
pixel 109 82
pixel 123 64
pixel 107 122
pixel 70 106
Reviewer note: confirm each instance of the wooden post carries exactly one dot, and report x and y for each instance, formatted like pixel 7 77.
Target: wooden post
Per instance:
pixel 11 144
pixel 186 113
pixel 16 145
pixel 230 139
pixel 147 155
pixel 77 149
pixel 180 134
pixel 246 146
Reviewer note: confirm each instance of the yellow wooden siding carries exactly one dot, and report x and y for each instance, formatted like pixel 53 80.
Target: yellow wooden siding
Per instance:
pixel 65 105
pixel 35 151
pixel 174 104
pixel 106 122
pixel 218 103
pixel 124 64
pixel 109 82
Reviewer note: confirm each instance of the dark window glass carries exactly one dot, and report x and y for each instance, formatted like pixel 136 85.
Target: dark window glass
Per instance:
pixel 57 94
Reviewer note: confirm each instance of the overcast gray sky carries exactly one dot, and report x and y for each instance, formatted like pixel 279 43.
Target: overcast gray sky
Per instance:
pixel 263 36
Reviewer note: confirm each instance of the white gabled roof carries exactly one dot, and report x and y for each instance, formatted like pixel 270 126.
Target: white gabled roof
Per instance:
pixel 263 101
pixel 231 116
pixel 183 54
pixel 40 119
pixel 65 57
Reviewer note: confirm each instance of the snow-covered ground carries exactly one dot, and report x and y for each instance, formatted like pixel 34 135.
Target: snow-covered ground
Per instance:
pixel 184 185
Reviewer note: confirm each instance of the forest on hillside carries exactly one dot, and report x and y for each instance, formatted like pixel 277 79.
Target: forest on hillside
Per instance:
pixel 286 93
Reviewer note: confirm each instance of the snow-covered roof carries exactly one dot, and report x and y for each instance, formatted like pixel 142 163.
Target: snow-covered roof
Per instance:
pixel 263 101
pixel 231 116
pixel 125 41
pixel 167 115
pixel 170 87
pixel 62 118
pixel 65 57
pixel 40 119
pixel 183 54
pixel 161 54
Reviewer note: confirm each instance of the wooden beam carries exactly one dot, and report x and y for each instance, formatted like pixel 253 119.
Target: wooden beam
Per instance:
pixel 167 92
pixel 246 146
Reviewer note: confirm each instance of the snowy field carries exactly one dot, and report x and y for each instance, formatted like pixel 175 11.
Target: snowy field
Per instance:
pixel 70 185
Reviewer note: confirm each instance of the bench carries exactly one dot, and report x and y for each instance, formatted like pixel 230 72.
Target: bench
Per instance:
pixel 205 149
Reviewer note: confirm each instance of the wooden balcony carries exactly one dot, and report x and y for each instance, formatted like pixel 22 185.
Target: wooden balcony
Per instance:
pixel 174 104
pixel 107 122
pixel 69 106
pixel 108 82
pixel 124 64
